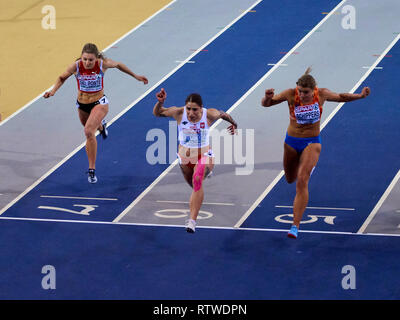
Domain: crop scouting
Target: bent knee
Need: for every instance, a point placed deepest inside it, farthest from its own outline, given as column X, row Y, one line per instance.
column 197, row 182
column 89, row 133
column 302, row 180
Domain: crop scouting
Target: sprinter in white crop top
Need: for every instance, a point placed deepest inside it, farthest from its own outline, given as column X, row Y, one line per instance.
column 194, row 152
column 91, row 103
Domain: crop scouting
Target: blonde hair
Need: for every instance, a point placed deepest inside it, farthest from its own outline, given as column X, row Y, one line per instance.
column 92, row 48
column 307, row 80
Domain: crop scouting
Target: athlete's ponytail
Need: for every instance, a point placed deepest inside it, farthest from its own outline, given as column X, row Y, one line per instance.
column 307, row 80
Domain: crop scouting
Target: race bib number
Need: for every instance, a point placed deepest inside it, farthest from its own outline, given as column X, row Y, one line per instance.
column 307, row 114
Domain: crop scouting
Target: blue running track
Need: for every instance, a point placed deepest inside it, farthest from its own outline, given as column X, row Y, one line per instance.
column 97, row 259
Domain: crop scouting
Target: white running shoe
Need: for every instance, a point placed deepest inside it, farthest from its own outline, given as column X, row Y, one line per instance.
column 92, row 176
column 190, row 225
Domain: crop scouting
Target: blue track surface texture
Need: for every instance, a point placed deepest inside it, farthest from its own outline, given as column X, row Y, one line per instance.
column 95, row 261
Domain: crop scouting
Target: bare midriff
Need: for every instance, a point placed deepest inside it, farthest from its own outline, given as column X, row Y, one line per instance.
column 89, row 97
column 303, row 130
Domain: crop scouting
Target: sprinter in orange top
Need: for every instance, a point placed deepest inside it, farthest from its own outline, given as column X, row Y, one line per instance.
column 302, row 145
column 92, row 103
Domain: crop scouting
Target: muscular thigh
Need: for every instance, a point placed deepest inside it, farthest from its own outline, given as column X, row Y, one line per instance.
column 309, row 158
column 96, row 115
column 291, row 161
column 187, row 173
column 83, row 116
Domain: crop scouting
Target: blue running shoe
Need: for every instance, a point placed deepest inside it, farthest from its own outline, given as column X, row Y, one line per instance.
column 104, row 131
column 293, row 232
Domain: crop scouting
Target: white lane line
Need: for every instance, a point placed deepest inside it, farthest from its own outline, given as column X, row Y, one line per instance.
column 278, row 64
column 111, row 45
column 182, row 61
column 259, row 199
column 37, row 182
column 320, row 208
column 379, row 203
column 166, row 171
column 78, row 198
column 200, row 227
column 378, row 68
column 288, row 54
column 208, row 203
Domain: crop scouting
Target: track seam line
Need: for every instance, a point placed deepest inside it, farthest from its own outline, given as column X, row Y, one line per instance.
column 199, row 227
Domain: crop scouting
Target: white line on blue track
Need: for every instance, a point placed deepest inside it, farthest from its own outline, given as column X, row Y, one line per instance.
column 79, row 198
column 379, row 203
column 197, row 227
column 320, row 208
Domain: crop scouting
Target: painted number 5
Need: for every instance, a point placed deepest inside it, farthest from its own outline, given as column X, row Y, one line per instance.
column 312, row 218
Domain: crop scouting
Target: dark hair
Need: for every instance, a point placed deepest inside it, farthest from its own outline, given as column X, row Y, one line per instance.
column 307, row 80
column 92, row 48
column 196, row 98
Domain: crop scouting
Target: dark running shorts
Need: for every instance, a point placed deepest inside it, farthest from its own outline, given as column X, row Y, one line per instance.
column 87, row 107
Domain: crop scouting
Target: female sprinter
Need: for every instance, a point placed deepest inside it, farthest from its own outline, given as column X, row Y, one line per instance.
column 302, row 145
column 92, row 104
column 194, row 152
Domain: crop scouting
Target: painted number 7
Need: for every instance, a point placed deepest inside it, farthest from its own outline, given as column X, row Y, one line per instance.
column 85, row 211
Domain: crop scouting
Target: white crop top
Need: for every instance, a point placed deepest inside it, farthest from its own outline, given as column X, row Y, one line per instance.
column 194, row 135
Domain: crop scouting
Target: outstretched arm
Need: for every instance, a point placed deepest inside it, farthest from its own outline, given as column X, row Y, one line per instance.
column 214, row 115
column 160, row 111
column 271, row 99
column 343, row 97
column 60, row 81
column 108, row 63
